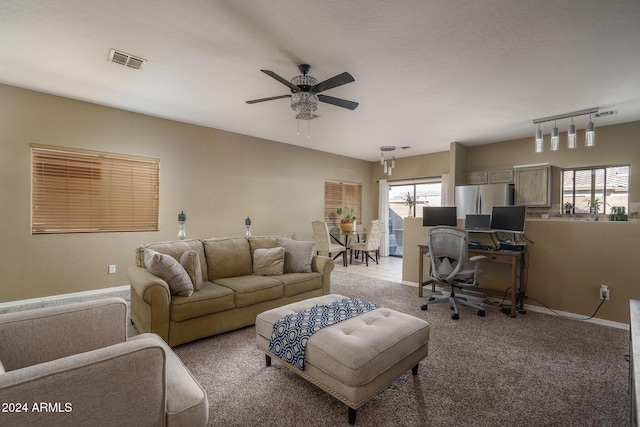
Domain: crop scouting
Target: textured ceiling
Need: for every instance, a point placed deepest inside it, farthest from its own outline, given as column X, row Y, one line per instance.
column 427, row 73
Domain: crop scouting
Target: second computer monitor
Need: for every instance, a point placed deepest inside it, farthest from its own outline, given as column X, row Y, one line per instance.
column 509, row 218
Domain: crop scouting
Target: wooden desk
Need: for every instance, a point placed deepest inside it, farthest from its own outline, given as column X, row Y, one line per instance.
column 514, row 258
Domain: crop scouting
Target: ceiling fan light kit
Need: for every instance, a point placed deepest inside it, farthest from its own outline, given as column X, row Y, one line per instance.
column 305, row 89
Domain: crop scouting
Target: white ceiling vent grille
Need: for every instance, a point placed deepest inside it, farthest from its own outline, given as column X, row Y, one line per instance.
column 125, row 59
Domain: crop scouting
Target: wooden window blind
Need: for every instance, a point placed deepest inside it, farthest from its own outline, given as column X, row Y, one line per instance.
column 80, row 191
column 336, row 195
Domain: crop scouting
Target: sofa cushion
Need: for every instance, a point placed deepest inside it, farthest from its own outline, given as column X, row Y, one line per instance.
column 268, row 262
column 190, row 260
column 228, row 257
column 175, row 248
column 212, row 298
column 262, row 242
column 298, row 254
column 252, row 289
column 2, row 371
column 169, row 269
column 298, row 283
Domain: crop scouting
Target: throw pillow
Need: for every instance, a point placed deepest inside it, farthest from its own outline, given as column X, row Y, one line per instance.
column 168, row 269
column 190, row 261
column 268, row 262
column 297, row 255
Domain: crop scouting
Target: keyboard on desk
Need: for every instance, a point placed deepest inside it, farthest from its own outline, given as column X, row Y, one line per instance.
column 480, row 246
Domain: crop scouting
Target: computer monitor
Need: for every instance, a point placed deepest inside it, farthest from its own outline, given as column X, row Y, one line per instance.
column 439, row 215
column 508, row 218
column 477, row 222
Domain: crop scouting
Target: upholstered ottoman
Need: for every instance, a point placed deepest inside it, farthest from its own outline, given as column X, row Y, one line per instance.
column 355, row 358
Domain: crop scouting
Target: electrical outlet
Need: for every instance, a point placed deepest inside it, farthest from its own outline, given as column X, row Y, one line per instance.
column 604, row 292
column 112, row 269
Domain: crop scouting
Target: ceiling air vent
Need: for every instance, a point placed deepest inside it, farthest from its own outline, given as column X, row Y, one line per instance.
column 125, row 59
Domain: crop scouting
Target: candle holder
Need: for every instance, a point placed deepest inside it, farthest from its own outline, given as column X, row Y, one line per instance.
column 247, row 223
column 182, row 218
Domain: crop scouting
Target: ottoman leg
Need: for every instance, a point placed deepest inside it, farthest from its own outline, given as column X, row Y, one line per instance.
column 352, row 416
column 414, row 370
column 267, row 359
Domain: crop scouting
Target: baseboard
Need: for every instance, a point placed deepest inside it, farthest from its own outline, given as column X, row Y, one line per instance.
column 580, row 317
column 63, row 296
column 556, row 313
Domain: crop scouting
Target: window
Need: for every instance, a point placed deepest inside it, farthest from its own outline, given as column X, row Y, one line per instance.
column 610, row 185
column 79, row 191
column 336, row 195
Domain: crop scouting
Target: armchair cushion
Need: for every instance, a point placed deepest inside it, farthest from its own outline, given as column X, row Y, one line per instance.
column 168, row 269
column 37, row 336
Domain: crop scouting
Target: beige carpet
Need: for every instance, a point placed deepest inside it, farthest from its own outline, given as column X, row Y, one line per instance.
column 534, row 370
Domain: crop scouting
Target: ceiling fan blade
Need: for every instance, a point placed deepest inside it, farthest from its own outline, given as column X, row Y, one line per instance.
column 338, row 101
column 281, row 80
column 335, row 81
column 268, row 99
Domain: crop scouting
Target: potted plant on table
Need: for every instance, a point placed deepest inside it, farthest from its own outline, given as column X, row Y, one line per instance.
column 568, row 207
column 348, row 219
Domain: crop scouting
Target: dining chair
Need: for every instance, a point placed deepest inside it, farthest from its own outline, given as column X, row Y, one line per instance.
column 323, row 242
column 372, row 244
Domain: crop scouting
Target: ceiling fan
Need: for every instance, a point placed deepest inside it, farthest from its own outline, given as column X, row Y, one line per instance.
column 305, row 92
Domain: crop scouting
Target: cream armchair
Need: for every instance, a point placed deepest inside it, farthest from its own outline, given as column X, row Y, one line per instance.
column 73, row 365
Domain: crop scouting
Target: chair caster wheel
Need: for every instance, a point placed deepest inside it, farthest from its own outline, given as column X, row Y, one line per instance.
column 424, row 307
column 481, row 313
column 455, row 316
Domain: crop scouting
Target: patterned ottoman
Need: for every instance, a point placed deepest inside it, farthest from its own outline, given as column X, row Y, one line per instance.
column 352, row 359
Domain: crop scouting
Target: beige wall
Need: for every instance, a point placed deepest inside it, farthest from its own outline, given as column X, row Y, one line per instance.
column 216, row 177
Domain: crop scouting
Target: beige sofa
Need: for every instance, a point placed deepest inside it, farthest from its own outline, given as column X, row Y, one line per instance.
column 232, row 292
column 74, row 365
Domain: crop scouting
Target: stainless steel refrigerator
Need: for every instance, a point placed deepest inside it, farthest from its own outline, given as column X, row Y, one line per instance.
column 480, row 199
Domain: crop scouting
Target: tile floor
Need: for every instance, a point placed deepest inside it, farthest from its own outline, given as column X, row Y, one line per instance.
column 388, row 268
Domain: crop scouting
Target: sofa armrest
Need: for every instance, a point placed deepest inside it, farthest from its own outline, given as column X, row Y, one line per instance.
column 123, row 384
column 323, row 265
column 150, row 302
column 36, row 336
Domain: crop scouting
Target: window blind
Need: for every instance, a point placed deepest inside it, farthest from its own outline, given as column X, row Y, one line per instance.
column 336, row 195
column 80, row 191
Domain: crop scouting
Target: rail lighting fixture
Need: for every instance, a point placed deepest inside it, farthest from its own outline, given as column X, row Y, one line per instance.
column 590, row 136
column 388, row 164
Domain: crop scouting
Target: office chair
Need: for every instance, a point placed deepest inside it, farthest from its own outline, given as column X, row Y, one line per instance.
column 323, row 242
column 450, row 265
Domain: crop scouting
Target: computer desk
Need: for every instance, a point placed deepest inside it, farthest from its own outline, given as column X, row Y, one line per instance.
column 514, row 258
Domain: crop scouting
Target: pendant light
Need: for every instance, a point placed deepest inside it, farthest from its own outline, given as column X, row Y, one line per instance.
column 555, row 138
column 589, row 134
column 571, row 135
column 539, row 140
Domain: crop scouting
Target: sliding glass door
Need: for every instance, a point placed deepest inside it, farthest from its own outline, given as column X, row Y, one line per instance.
column 406, row 199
